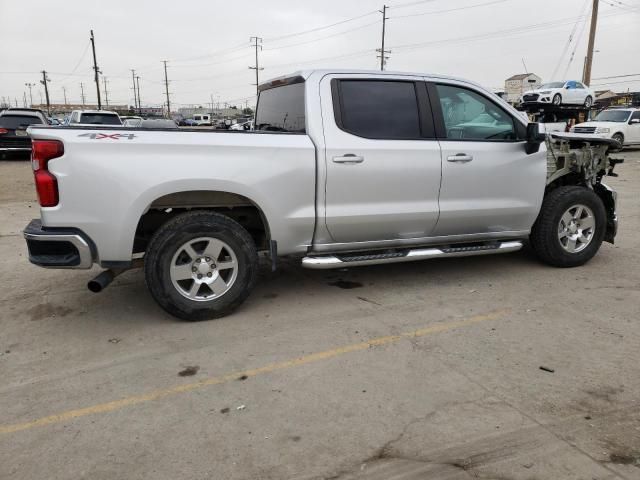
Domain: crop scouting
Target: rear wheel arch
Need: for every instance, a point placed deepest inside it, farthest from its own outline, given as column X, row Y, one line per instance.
column 238, row 207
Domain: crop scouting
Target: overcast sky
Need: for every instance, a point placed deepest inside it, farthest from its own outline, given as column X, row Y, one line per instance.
column 207, row 47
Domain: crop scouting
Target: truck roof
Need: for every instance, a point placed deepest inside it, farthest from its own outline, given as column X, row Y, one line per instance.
column 324, row 71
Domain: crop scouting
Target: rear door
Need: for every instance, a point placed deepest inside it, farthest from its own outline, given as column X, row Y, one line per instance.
column 381, row 157
column 489, row 183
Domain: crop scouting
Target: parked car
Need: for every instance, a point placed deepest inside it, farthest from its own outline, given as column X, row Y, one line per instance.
column 94, row 117
column 14, row 140
column 344, row 169
column 131, row 121
column 571, row 92
column 202, row 120
column 187, row 122
column 158, row 123
column 622, row 125
column 242, row 126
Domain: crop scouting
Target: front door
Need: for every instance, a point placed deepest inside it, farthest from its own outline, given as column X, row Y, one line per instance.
column 633, row 131
column 381, row 158
column 489, row 183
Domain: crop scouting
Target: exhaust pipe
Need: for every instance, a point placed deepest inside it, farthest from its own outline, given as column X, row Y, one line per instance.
column 103, row 280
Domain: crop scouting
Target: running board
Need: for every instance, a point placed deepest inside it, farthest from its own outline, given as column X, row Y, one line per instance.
column 356, row 260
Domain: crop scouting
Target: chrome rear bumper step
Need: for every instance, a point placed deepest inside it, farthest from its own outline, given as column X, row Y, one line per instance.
column 406, row 255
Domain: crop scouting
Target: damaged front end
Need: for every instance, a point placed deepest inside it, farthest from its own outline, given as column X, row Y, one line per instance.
column 579, row 160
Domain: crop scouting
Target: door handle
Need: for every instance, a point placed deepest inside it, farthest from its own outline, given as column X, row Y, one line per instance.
column 348, row 158
column 460, row 158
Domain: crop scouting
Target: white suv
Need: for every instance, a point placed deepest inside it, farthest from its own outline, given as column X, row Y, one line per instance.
column 561, row 93
column 621, row 124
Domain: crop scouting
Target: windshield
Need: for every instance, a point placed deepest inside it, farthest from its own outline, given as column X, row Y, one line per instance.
column 100, row 119
column 612, row 116
column 551, row 85
column 281, row 109
column 18, row 121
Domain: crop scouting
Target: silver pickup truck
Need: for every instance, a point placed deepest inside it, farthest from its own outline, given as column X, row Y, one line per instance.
column 344, row 168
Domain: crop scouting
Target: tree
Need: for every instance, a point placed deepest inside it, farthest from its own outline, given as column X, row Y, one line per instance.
column 247, row 111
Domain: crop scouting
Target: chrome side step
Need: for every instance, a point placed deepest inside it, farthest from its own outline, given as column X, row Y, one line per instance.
column 407, row 255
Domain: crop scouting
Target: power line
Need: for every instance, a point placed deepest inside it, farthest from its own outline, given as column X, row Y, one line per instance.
column 618, row 76
column 317, row 29
column 319, row 39
column 449, row 9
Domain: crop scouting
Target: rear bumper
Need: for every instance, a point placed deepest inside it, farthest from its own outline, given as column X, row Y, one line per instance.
column 58, row 247
column 15, row 149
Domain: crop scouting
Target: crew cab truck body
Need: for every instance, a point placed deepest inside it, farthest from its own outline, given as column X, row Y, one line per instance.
column 344, row 168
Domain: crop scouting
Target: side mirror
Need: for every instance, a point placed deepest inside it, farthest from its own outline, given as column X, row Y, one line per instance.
column 534, row 138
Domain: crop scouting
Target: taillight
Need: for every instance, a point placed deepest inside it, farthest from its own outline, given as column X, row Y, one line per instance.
column 3, row 131
column 46, row 183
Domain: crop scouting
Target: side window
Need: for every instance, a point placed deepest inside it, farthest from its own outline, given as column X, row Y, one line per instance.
column 468, row 115
column 379, row 109
column 571, row 85
column 579, row 85
column 635, row 116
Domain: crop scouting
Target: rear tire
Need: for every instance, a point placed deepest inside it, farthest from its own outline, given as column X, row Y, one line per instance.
column 200, row 265
column 570, row 227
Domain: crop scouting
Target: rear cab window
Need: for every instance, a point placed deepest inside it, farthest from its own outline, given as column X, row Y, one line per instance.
column 18, row 121
column 100, row 119
column 281, row 108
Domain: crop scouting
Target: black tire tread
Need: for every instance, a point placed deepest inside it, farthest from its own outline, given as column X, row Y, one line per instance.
column 543, row 236
column 155, row 252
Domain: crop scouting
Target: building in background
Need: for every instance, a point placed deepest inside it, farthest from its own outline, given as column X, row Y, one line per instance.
column 516, row 85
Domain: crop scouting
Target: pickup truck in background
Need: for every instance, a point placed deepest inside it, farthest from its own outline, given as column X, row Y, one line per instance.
column 344, row 168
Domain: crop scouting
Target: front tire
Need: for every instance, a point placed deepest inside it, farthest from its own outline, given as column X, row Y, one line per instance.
column 588, row 102
column 570, row 227
column 557, row 99
column 618, row 137
column 200, row 265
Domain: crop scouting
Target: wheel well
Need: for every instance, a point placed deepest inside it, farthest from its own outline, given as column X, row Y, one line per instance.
column 239, row 208
column 618, row 133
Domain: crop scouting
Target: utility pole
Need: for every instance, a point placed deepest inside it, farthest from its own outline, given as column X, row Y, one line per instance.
column 135, row 97
column 139, row 102
column 106, row 92
column 257, row 43
column 211, row 98
column 586, row 76
column 383, row 53
column 30, row 93
column 82, row 93
column 64, row 92
column 166, row 89
column 96, row 71
column 24, row 99
column 46, row 90
column 15, row 99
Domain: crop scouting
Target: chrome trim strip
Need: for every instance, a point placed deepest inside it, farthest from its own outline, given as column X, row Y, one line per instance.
column 15, row 149
column 84, row 250
column 330, row 261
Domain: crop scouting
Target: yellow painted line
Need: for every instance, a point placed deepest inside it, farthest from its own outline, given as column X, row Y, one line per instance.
column 296, row 362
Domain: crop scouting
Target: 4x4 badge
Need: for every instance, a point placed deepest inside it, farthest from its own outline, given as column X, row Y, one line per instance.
column 112, row 136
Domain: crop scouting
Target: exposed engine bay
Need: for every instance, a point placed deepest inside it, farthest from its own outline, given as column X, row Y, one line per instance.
column 586, row 159
column 579, row 160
